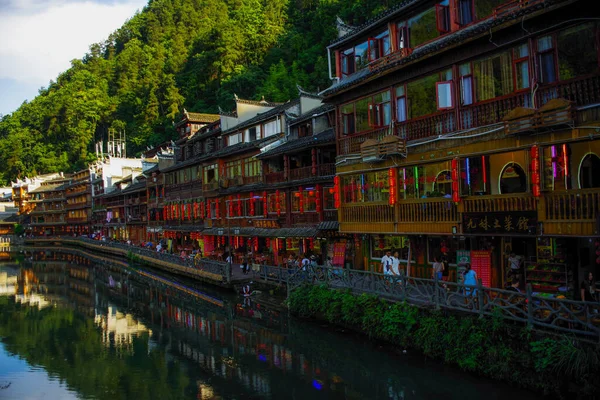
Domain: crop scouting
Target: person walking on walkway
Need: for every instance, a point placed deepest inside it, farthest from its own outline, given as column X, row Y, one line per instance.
column 588, row 288
column 470, row 280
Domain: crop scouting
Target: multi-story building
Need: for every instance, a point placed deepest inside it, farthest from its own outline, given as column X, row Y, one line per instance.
column 79, row 202
column 21, row 189
column 49, row 213
column 470, row 129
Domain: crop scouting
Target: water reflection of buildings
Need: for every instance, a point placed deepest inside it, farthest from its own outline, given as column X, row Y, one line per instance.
column 8, row 280
column 118, row 328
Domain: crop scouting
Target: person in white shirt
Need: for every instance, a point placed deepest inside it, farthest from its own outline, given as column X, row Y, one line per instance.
column 386, row 263
column 396, row 265
column 305, row 262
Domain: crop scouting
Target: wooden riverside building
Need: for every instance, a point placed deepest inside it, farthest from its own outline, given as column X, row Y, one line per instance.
column 254, row 181
column 469, row 128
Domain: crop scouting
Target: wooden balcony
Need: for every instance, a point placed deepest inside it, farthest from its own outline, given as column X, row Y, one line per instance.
column 77, row 220
column 211, row 186
column 433, row 215
column 581, row 91
column 428, row 125
column 330, row 215
column 372, row 218
column 500, row 203
column 274, row 177
column 492, row 111
column 351, row 144
column 572, row 212
column 248, row 180
column 305, row 218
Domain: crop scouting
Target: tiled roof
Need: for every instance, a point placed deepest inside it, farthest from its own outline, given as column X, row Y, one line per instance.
column 240, row 148
column 50, row 188
column 262, row 102
column 313, row 113
column 327, row 136
column 136, row 187
column 201, row 117
column 329, row 226
column 482, row 27
column 264, row 116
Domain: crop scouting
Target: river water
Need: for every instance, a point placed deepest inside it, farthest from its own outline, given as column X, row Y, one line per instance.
column 70, row 328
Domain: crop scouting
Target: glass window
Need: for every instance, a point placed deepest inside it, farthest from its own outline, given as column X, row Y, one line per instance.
column 555, row 173
column 493, row 76
column 380, row 244
column 423, row 27
column 369, row 187
column 513, row 179
column 348, row 62
column 233, row 168
column 252, row 167
column 271, row 128
column 211, row 173
column 421, row 96
column 465, row 12
column 474, row 175
column 348, row 123
column 547, row 59
column 328, row 198
column 362, row 114
column 400, row 104
column 361, row 55
column 381, row 109
column 466, row 84
column 485, row 8
column 521, row 60
column 429, row 180
column 577, row 54
column 444, row 95
column 234, row 139
column 272, row 202
column 309, row 199
column 402, row 34
column 439, row 247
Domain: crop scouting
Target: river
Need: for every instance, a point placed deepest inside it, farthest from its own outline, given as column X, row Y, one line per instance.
column 71, row 328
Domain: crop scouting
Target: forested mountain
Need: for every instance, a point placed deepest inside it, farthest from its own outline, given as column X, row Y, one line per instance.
column 174, row 54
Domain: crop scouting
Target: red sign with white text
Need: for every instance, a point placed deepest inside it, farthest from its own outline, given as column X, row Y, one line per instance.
column 481, row 263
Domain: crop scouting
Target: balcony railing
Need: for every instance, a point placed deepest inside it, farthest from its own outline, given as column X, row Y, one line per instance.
column 573, row 205
column 211, row 186
column 351, row 144
column 492, row 111
column 500, row 203
column 305, row 218
column 368, row 213
column 581, row 91
column 274, row 177
column 77, row 220
column 427, row 210
column 429, row 125
column 252, row 179
column 330, row 215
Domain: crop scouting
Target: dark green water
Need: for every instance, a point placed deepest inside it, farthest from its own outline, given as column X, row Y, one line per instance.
column 74, row 329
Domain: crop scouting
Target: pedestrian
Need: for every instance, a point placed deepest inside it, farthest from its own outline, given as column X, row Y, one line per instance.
column 470, row 280
column 588, row 288
column 438, row 269
column 396, row 266
column 514, row 287
column 305, row 262
column 445, row 268
column 386, row 263
column 515, row 263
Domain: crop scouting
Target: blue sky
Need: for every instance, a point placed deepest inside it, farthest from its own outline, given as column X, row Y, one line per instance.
column 39, row 38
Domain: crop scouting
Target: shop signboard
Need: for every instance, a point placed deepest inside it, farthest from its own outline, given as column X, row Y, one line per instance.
column 266, row 223
column 339, row 254
column 481, row 263
column 463, row 257
column 524, row 223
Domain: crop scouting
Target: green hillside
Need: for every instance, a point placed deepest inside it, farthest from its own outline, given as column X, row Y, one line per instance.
column 174, row 54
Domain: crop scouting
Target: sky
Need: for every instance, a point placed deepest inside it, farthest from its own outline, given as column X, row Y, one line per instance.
column 39, row 38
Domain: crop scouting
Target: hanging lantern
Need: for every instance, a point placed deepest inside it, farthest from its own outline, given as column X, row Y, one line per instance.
column 265, row 204
column 392, row 175
column 455, row 189
column 251, row 204
column 165, row 211
column 535, row 171
column 314, row 161
column 208, row 215
column 336, row 194
column 182, row 215
column 277, row 203
column 239, row 205
column 217, row 208
column 311, row 243
column 268, row 242
column 300, row 200
column 318, row 204
column 230, row 207
column 195, row 207
column 202, row 210
column 255, row 243
column 381, row 242
column 289, row 243
column 189, row 211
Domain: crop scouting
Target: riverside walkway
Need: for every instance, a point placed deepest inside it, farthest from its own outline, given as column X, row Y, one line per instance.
column 534, row 310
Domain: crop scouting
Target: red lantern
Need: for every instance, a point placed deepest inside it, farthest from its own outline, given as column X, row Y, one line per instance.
column 311, row 243
column 455, row 188
column 218, row 209
column 230, row 208
column 251, row 204
column 392, row 175
column 318, row 199
column 336, row 188
column 268, row 242
column 239, row 205
column 182, row 215
column 535, row 171
column 301, row 200
column 277, row 204
column 265, row 204
column 314, row 161
column 189, row 211
column 289, row 243
column 208, row 215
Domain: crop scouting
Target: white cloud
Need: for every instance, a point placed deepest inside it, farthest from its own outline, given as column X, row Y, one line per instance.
column 40, row 38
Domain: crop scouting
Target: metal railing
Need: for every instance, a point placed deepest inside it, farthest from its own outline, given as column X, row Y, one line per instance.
column 573, row 205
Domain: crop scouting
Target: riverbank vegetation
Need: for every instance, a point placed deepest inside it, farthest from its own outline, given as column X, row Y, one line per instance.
column 557, row 365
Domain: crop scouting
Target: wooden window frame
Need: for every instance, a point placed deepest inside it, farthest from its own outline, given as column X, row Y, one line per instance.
column 442, row 11
column 554, row 51
column 457, row 13
column 402, row 31
column 516, row 61
column 452, row 96
column 350, row 62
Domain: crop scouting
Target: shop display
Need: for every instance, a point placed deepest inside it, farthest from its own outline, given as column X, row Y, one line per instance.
column 550, row 274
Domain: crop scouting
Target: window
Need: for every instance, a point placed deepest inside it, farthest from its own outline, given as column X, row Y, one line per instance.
column 380, row 110
column 305, row 130
column 328, row 198
column 474, row 175
column 401, row 104
column 466, row 84
column 442, row 11
column 556, row 170
column 379, row 46
column 402, row 35
column 361, row 55
column 252, row 134
column 547, row 59
column 252, row 167
column 271, row 128
column 380, row 244
column 348, row 126
column 444, row 95
column 493, row 76
column 521, row 66
column 589, row 179
column 429, row 180
column 234, row 139
column 368, row 187
column 464, row 11
column 577, row 52
column 272, row 202
column 233, row 168
column 485, row 8
column 424, row 94
column 211, row 173
column 423, row 28
column 348, row 63
column 513, row 179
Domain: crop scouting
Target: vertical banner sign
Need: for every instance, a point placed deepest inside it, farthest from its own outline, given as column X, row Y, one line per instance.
column 339, row 254
column 392, row 185
column 463, row 257
column 535, row 171
column 455, row 189
column 481, row 262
